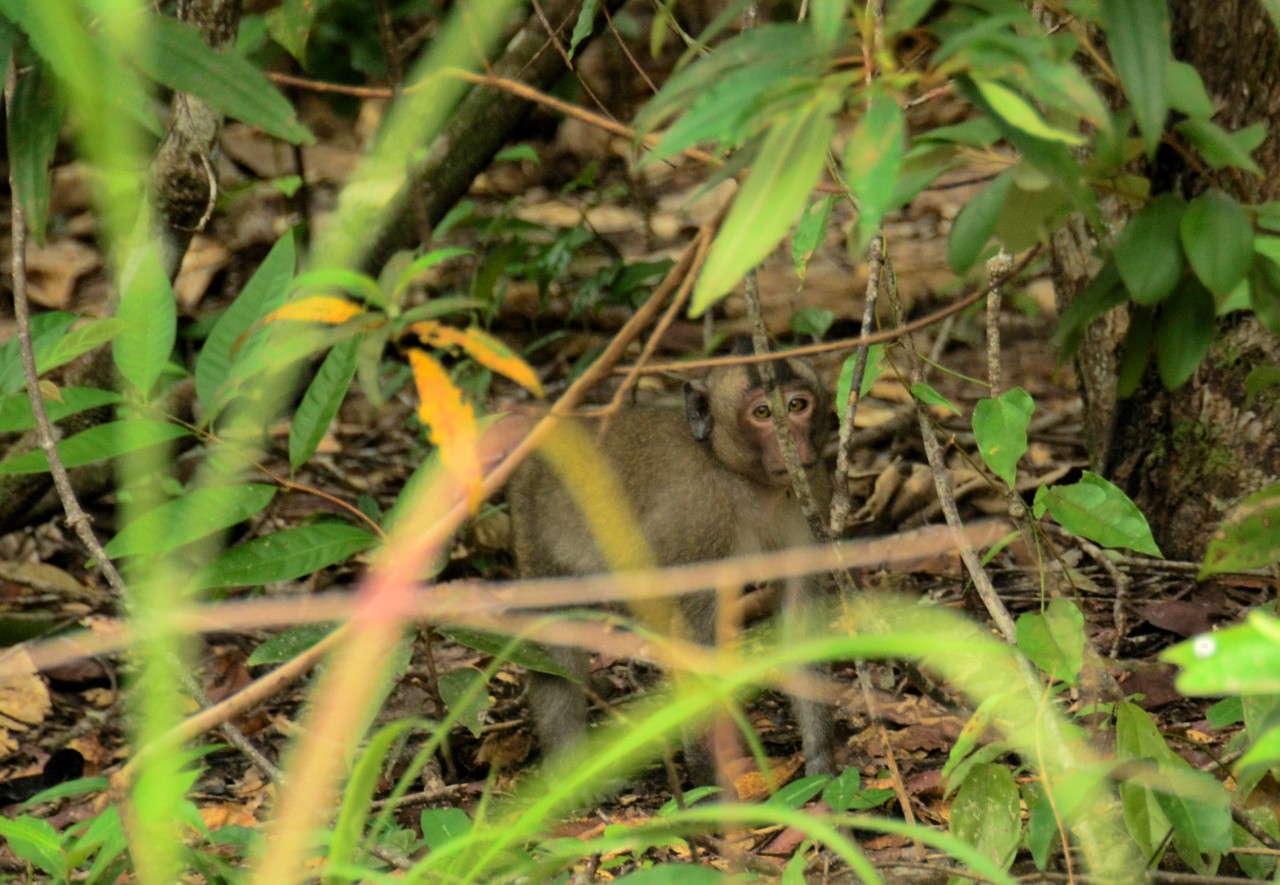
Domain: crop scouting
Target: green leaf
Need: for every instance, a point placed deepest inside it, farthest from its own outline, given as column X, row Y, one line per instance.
column 976, row 222
column 456, row 687
column 99, row 443
column 265, row 291
column 1149, row 252
column 795, row 794
column 225, row 81
column 148, row 314
column 811, row 232
column 35, row 115
column 1095, row 509
column 827, row 19
column 1187, row 93
column 1217, row 146
column 81, row 339
column 1218, row 240
column 777, row 187
column 361, row 285
column 286, row 554
column 874, row 369
column 15, row 409
column 421, row 265
column 987, row 813
column 1104, row 292
column 290, row 25
column 812, row 321
column 442, row 825
column 1248, row 537
column 927, row 395
column 36, row 841
column 321, row 401
column 1000, row 428
column 1054, row 640
column 842, row 792
column 1244, row 659
column 358, row 790
column 289, row 643
column 194, row 516
column 1264, row 291
column 872, row 161
column 526, row 654
column 1138, row 34
column 1184, row 332
column 585, row 24
column 1137, row 350
column 1020, row 114
column 1199, row 827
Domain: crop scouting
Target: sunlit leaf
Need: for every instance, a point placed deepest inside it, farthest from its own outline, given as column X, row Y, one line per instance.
column 451, row 420
column 1019, row 113
column 776, row 190
column 193, row 516
column 1054, row 639
column 316, row 309
column 482, row 347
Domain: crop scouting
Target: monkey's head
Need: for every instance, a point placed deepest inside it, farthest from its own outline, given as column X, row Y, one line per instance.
column 730, row 412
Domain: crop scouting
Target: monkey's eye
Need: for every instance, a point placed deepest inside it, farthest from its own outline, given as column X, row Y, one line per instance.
column 798, row 404
column 760, row 412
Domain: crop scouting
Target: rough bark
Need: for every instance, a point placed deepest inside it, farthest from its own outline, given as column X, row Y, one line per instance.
column 1188, row 456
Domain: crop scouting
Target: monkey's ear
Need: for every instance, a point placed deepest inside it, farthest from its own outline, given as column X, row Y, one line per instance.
column 697, row 408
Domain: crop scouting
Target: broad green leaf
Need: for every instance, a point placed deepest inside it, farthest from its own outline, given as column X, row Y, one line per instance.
column 288, row 644
column 1264, row 751
column 1200, row 827
column 811, row 232
column 585, row 24
column 526, row 654
column 191, row 517
column 987, row 813
column 1149, row 250
column 1020, row 114
column 843, row 790
column 798, row 792
column 1264, row 291
column 225, row 81
column 35, row 841
column 47, row 329
column 929, row 396
column 265, row 291
column 904, row 15
column 1216, row 145
column 1138, row 340
column 458, row 686
column 1260, row 866
column 1138, row 35
column 15, row 409
column 286, row 554
column 81, row 339
column 421, row 265
column 1054, row 639
column 148, row 314
column 99, row 443
column 1244, row 659
column 813, row 322
column 1187, row 93
column 1218, row 240
column 361, row 285
column 1184, row 332
column 874, row 369
column 976, row 222
column 827, row 18
column 1095, row 509
column 442, row 825
column 1104, row 292
column 1248, row 537
column 872, row 161
column 776, row 190
column 1000, row 428
column 35, row 114
column 290, row 26
column 321, row 401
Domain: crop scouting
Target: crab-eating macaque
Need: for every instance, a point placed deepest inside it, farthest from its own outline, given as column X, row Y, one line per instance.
column 702, row 483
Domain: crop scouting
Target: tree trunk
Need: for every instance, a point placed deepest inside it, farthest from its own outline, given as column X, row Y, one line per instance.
column 1187, row 456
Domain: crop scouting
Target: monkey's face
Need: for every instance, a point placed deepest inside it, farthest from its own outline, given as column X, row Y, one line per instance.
column 755, row 418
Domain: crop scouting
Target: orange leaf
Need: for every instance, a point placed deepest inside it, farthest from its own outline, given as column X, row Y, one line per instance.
column 481, row 347
column 452, row 422
column 316, row 309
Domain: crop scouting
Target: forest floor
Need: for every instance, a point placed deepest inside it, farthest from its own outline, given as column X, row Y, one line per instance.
column 632, row 217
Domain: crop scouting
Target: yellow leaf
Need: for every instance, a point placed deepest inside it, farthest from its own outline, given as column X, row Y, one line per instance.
column 452, row 422
column 316, row 309
column 481, row 347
